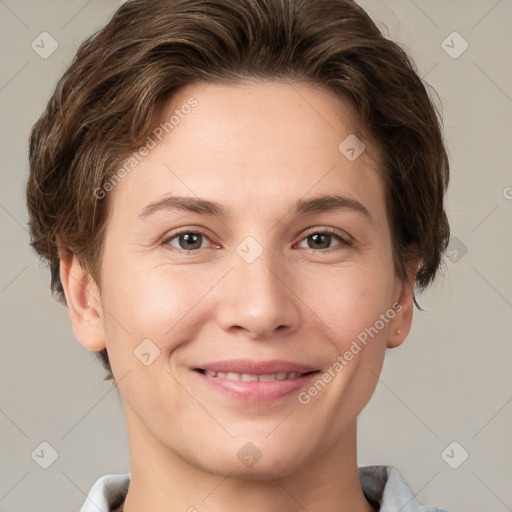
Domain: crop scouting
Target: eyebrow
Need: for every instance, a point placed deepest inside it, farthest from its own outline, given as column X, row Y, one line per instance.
column 326, row 203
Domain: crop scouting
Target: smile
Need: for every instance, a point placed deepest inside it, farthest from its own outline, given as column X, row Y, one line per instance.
column 254, row 382
column 248, row 377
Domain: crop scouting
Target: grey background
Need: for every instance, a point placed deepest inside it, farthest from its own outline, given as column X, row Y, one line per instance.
column 450, row 381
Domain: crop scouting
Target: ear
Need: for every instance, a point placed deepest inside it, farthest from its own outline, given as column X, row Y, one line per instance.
column 83, row 301
column 400, row 325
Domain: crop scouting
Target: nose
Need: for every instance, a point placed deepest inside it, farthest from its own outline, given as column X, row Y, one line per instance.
column 258, row 299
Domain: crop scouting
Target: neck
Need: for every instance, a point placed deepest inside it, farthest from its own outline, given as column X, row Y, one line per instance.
column 162, row 481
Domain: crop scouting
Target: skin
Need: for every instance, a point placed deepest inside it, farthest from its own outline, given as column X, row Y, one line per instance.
column 255, row 148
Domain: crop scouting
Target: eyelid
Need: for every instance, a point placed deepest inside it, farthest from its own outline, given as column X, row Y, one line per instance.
column 331, row 231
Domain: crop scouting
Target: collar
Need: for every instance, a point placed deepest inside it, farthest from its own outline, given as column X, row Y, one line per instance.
column 383, row 486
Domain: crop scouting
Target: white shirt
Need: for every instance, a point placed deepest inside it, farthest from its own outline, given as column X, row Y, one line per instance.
column 383, row 486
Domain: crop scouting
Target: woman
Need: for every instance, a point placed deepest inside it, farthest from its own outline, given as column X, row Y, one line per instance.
column 238, row 201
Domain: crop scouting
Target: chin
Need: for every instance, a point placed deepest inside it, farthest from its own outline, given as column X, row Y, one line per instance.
column 247, row 462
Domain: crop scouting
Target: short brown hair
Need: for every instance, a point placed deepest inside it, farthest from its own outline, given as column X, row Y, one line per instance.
column 111, row 98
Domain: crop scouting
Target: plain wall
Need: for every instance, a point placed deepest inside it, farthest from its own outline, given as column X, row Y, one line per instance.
column 450, row 381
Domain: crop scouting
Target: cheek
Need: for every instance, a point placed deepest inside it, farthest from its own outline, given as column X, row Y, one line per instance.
column 351, row 298
column 357, row 309
column 156, row 302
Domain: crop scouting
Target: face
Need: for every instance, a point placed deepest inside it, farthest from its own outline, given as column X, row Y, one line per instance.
column 223, row 310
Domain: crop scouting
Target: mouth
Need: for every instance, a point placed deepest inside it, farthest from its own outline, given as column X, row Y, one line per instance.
column 255, row 382
column 249, row 377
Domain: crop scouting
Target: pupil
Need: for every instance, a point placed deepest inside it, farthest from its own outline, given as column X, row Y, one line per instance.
column 190, row 239
column 319, row 238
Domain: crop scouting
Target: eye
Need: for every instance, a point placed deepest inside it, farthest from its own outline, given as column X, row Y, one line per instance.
column 187, row 240
column 322, row 239
column 190, row 241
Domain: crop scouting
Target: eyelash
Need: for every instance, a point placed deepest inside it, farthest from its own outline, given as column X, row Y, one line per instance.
column 344, row 241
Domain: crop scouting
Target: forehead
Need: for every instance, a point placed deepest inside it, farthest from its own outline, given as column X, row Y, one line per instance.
column 301, row 115
column 252, row 141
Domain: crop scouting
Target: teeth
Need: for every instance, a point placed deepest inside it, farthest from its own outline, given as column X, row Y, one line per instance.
column 267, row 377
column 247, row 377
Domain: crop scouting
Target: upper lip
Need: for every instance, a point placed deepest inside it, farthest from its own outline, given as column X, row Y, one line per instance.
column 253, row 367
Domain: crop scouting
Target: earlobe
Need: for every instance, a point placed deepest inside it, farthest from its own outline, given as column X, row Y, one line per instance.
column 84, row 303
column 402, row 322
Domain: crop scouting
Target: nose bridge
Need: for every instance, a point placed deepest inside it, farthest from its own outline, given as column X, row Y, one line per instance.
column 256, row 297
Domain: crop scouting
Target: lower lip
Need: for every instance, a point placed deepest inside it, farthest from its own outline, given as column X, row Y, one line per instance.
column 257, row 391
